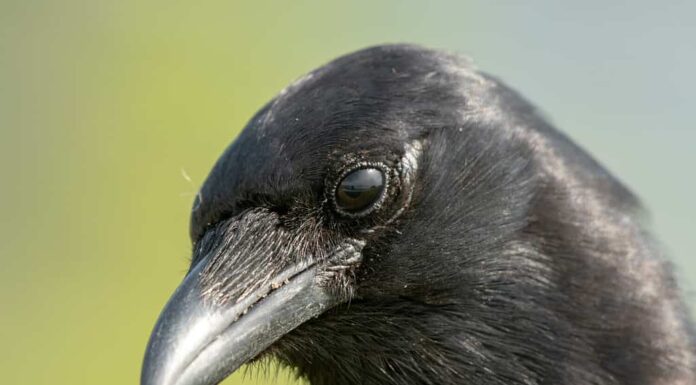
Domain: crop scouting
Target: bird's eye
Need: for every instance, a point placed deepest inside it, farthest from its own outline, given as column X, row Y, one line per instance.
column 359, row 190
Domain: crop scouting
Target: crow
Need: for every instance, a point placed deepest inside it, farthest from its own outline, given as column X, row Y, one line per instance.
column 399, row 217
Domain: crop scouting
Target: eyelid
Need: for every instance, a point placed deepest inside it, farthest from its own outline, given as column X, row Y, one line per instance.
column 360, row 189
column 354, row 167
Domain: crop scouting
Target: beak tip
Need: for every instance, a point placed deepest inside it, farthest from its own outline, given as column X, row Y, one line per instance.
column 199, row 342
column 176, row 337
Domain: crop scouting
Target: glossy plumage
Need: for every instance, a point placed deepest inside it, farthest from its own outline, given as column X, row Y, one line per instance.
column 501, row 254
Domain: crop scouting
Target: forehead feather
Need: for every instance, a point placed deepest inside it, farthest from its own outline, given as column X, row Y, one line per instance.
column 372, row 101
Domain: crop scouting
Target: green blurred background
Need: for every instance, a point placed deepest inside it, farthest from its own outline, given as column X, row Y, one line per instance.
column 105, row 106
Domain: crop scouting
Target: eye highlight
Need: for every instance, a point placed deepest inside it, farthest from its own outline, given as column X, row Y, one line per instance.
column 360, row 190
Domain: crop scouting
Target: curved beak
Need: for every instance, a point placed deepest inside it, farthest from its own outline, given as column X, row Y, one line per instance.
column 200, row 339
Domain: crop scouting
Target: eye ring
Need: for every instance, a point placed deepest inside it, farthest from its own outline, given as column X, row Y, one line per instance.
column 371, row 200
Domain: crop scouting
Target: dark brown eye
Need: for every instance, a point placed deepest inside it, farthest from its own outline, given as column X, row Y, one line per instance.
column 359, row 190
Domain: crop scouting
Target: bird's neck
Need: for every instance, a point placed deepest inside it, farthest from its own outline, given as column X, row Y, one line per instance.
column 374, row 343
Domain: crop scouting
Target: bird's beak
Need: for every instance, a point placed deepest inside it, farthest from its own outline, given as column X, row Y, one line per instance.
column 210, row 327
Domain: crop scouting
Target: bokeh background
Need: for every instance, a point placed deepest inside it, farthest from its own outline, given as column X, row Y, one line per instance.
column 111, row 114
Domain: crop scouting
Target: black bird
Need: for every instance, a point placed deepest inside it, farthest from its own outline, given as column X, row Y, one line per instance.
column 397, row 217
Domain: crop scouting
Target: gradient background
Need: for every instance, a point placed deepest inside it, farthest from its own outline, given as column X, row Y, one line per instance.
column 103, row 104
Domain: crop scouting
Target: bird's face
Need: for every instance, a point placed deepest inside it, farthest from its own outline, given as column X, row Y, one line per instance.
column 354, row 225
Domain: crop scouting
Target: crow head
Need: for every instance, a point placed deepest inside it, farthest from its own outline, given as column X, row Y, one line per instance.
column 396, row 217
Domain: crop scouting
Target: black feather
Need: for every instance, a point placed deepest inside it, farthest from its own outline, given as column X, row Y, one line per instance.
column 518, row 259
